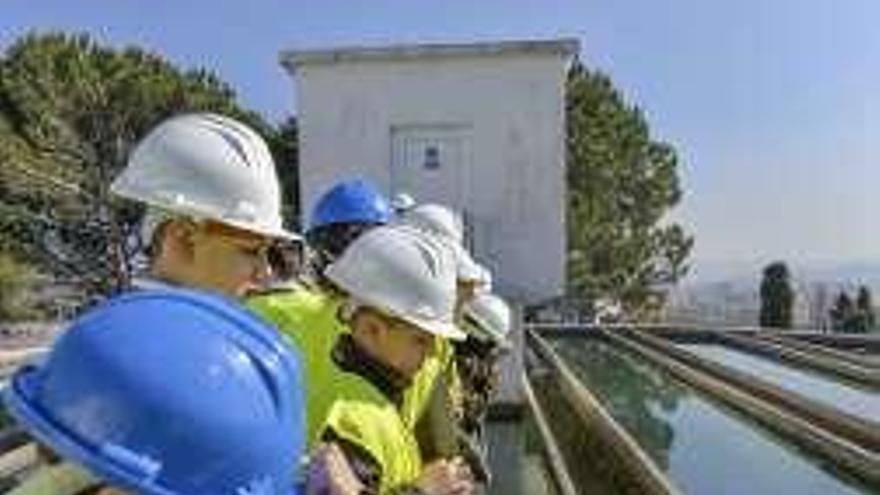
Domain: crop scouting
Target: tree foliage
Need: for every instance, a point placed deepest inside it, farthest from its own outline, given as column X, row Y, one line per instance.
column 864, row 311
column 777, row 297
column 16, row 278
column 849, row 317
column 285, row 148
column 70, row 112
column 841, row 314
column 621, row 184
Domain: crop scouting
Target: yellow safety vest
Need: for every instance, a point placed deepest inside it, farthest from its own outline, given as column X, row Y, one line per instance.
column 364, row 416
column 418, row 395
column 309, row 319
column 64, row 478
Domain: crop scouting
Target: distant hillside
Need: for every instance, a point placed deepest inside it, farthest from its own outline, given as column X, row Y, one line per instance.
column 747, row 272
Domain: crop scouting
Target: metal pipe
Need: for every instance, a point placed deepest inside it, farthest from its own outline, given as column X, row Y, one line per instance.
column 844, row 370
column 551, row 448
column 825, row 351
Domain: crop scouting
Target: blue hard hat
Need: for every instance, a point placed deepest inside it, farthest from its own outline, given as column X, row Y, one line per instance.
column 170, row 392
column 351, row 201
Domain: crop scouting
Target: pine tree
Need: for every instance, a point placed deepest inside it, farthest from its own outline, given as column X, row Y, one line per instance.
column 621, row 183
column 70, row 112
column 864, row 311
column 842, row 313
column 777, row 297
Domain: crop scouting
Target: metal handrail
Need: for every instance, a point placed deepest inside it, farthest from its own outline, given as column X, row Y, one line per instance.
column 823, row 351
column 551, row 448
column 803, row 358
column 641, row 468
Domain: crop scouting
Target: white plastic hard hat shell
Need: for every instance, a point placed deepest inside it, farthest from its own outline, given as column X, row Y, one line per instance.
column 210, row 167
column 448, row 226
column 403, row 272
column 468, row 270
column 402, row 202
column 491, row 315
column 436, row 219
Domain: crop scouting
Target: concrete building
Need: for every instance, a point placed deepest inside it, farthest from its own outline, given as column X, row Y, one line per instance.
column 479, row 127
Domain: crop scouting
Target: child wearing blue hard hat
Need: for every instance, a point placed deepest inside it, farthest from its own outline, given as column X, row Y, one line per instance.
column 166, row 392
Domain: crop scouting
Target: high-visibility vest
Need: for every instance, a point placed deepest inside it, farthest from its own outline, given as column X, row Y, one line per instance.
column 418, row 394
column 309, row 319
column 64, row 478
column 364, row 416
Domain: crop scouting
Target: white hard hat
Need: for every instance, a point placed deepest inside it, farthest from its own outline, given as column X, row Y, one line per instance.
column 448, row 226
column 484, row 279
column 210, row 167
column 402, row 202
column 489, row 318
column 468, row 270
column 404, row 273
column 436, row 219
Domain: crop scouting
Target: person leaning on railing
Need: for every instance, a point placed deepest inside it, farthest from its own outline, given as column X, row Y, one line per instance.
column 487, row 322
column 400, row 287
column 307, row 312
column 433, row 404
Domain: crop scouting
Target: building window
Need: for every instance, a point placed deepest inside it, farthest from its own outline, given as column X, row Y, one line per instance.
column 432, row 158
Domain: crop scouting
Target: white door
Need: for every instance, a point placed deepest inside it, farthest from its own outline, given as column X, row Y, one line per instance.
column 432, row 163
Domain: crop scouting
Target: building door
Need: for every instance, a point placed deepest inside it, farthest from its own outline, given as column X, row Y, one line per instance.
column 432, row 163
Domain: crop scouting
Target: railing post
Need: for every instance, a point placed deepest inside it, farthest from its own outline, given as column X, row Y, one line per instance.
column 510, row 391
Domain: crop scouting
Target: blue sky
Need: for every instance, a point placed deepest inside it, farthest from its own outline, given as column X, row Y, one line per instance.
column 774, row 105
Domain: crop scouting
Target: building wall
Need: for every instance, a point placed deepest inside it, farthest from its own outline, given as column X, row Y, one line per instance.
column 513, row 182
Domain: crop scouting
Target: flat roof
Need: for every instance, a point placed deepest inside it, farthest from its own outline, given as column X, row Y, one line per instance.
column 292, row 59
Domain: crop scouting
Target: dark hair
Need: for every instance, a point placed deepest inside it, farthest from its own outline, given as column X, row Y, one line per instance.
column 284, row 258
column 329, row 241
column 154, row 243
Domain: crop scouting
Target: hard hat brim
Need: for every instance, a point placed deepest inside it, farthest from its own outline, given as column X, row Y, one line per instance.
column 126, row 192
column 443, row 329
column 280, row 234
column 480, row 330
column 440, row 328
column 19, row 396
